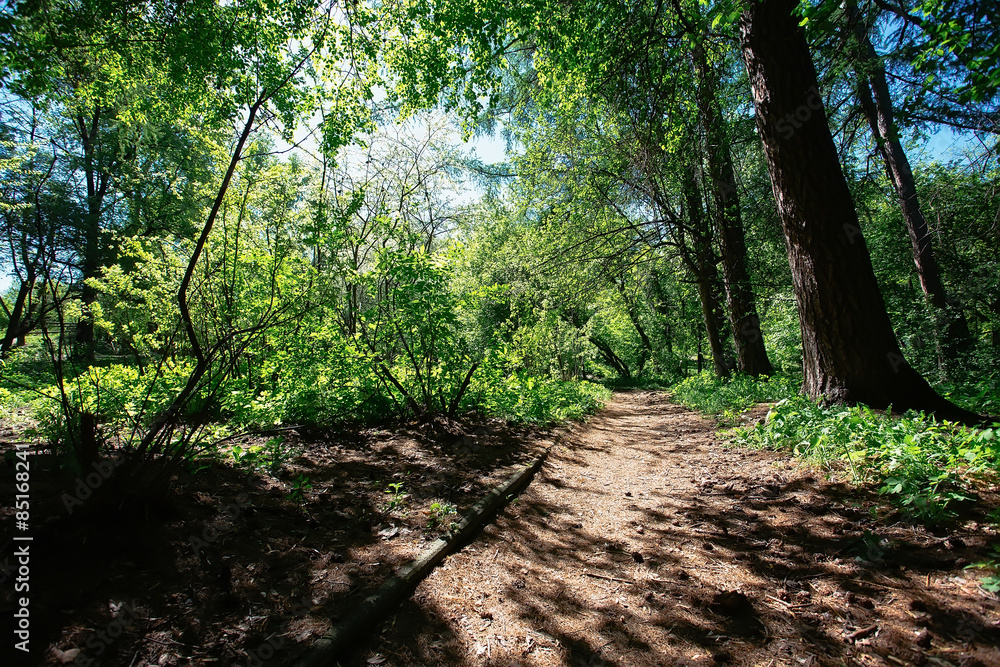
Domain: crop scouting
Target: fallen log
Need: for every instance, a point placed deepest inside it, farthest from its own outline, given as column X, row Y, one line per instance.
column 374, row 608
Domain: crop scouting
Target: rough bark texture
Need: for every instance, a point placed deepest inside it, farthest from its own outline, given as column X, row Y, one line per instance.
column 751, row 356
column 850, row 352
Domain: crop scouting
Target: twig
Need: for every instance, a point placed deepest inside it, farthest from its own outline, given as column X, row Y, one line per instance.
column 862, row 633
column 790, row 606
column 601, row 576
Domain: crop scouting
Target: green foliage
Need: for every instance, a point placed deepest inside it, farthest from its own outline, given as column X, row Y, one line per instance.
column 925, row 466
column 123, row 397
column 398, row 498
column 438, row 514
column 712, row 395
column 300, row 486
column 270, row 456
column 522, row 397
column 990, row 582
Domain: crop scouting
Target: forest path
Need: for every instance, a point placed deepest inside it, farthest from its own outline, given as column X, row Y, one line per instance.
column 644, row 541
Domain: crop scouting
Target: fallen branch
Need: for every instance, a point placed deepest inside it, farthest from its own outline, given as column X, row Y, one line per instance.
column 601, row 576
column 371, row 611
column 861, row 634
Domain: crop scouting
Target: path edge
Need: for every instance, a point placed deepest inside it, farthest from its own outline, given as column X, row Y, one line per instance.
column 374, row 608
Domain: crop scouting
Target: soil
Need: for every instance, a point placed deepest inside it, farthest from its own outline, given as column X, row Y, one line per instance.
column 644, row 540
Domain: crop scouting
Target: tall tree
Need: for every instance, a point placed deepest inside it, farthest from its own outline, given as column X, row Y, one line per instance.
column 876, row 104
column 850, row 352
column 751, row 356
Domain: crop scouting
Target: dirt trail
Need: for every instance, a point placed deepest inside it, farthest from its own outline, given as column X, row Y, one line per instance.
column 645, row 542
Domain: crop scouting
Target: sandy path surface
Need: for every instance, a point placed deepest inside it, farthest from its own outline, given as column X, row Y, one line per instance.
column 643, row 541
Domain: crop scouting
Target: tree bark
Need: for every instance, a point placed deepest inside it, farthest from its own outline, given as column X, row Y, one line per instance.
column 98, row 181
column 16, row 325
column 751, row 356
column 703, row 265
column 876, row 104
column 850, row 353
column 611, row 358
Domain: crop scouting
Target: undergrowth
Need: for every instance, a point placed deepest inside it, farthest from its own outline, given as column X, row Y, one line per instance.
column 520, row 397
column 726, row 398
column 926, row 467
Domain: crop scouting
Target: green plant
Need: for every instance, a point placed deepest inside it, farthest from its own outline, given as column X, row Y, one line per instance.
column 270, row 456
column 730, row 396
column 300, row 486
column 924, row 466
column 397, row 497
column 438, row 513
column 989, row 582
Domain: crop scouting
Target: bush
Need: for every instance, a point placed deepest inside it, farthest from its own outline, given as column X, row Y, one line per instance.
column 521, row 397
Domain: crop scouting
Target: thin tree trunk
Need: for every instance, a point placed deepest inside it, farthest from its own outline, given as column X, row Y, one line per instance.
column 611, row 358
column 97, row 185
column 660, row 305
column 751, row 356
column 706, row 273
column 15, row 326
column 876, row 103
column 850, row 352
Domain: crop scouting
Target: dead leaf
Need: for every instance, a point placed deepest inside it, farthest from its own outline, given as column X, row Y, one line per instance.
column 68, row 655
column 376, row 660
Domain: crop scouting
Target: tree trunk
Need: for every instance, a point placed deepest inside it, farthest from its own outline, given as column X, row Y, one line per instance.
column 876, row 103
column 97, row 188
column 16, row 327
column 660, row 304
column 751, row 356
column 850, row 352
column 706, row 274
column 711, row 313
column 612, row 359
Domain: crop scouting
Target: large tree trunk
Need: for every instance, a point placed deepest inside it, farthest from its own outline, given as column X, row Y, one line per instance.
column 850, row 352
column 751, row 356
column 876, row 103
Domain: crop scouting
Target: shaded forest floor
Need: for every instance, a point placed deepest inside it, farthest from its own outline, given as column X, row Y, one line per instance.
column 643, row 541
